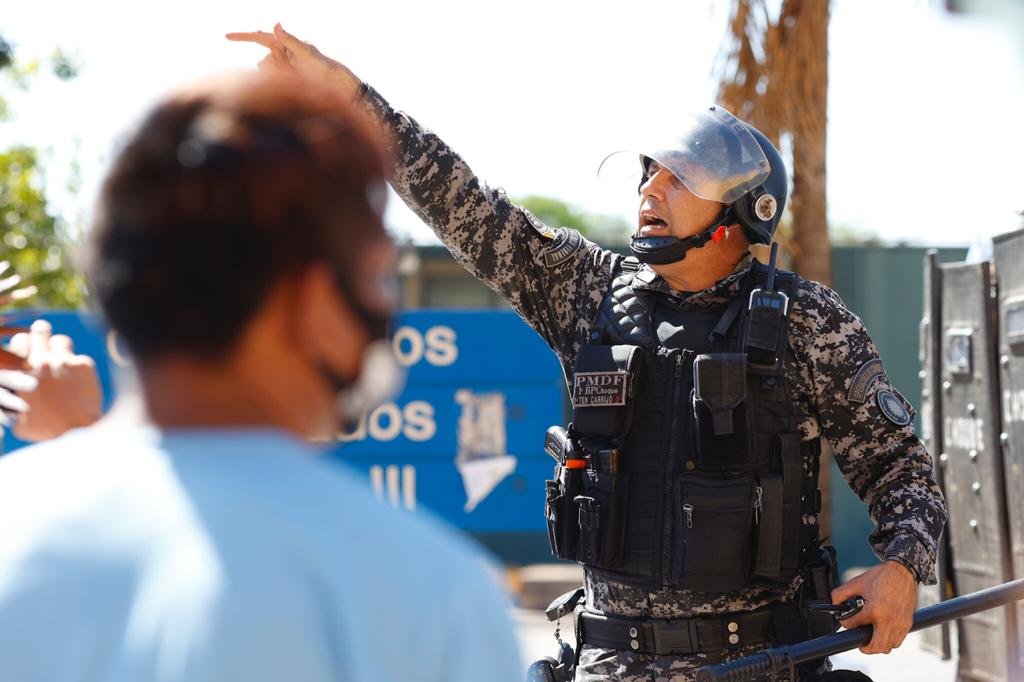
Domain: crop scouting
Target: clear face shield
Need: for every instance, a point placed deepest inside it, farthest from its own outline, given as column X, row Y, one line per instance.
column 712, row 153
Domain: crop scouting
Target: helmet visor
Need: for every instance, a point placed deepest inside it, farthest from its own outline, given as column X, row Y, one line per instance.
column 714, row 155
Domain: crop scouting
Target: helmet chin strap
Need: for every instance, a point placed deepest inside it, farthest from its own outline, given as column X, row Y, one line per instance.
column 665, row 250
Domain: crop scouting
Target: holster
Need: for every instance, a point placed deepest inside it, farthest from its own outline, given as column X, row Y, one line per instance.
column 586, row 506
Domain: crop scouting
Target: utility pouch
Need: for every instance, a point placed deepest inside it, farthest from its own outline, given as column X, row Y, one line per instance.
column 601, row 518
column 713, row 533
column 560, row 511
column 603, row 389
column 589, row 520
column 720, row 409
column 770, row 519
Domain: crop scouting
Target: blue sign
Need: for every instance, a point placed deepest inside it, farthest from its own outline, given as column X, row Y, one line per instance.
column 464, row 439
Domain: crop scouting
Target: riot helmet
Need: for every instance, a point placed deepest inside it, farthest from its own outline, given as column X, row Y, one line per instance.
column 720, row 158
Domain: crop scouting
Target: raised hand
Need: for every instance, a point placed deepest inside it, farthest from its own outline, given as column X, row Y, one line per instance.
column 290, row 55
column 58, row 390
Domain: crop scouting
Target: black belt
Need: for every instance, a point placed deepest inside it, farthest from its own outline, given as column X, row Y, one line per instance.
column 682, row 636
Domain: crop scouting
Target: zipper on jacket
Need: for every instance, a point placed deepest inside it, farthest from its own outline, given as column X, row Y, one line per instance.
column 758, row 503
column 666, row 532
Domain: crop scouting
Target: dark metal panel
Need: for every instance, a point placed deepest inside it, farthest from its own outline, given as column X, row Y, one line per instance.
column 973, row 464
column 1008, row 254
column 936, row 640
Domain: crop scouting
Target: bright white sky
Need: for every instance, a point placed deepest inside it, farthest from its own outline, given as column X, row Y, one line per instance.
column 925, row 141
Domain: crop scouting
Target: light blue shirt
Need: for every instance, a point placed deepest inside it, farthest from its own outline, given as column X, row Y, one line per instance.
column 133, row 554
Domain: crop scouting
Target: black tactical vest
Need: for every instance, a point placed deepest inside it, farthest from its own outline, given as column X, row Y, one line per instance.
column 684, row 466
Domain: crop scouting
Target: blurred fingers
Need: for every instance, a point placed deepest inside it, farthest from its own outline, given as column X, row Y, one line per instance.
column 8, row 283
column 39, row 340
column 20, row 344
column 17, row 381
column 11, row 403
column 61, row 345
column 18, row 295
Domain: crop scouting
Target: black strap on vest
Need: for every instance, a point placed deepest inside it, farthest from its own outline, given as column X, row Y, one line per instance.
column 721, row 330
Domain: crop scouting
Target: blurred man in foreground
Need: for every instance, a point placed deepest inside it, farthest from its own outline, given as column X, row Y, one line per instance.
column 239, row 251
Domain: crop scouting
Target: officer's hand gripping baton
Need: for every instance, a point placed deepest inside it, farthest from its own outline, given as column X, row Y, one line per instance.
column 780, row 662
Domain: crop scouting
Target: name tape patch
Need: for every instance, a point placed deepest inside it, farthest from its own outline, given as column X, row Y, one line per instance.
column 599, row 389
column 863, row 379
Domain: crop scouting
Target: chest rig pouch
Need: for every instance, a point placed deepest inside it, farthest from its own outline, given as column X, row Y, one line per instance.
column 588, row 497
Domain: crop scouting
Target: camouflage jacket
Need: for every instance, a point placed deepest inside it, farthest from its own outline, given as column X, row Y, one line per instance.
column 556, row 279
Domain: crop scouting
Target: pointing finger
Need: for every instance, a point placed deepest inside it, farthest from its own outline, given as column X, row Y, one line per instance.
column 267, row 40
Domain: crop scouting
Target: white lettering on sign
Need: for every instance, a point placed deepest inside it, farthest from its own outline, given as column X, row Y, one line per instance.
column 441, row 348
column 406, row 490
column 1013, row 406
column 437, row 345
column 965, row 433
column 387, row 422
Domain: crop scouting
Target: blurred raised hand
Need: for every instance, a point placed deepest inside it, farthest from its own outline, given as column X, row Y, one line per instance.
column 13, row 376
column 288, row 54
column 66, row 392
column 45, row 388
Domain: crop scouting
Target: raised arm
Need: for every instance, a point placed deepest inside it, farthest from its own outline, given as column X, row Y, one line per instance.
column 553, row 277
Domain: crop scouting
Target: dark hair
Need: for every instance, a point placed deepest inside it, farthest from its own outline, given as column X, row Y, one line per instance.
column 223, row 190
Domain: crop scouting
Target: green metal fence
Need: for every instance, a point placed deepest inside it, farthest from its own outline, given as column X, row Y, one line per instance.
column 884, row 287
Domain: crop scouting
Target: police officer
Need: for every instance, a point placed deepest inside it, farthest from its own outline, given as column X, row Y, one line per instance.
column 703, row 384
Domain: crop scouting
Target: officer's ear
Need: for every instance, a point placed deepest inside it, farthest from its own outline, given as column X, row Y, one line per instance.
column 325, row 327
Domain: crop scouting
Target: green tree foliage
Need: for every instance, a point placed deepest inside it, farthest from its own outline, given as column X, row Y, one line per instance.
column 32, row 238
column 609, row 230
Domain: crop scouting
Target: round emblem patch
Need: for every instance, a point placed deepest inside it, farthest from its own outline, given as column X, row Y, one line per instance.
column 765, row 207
column 892, row 407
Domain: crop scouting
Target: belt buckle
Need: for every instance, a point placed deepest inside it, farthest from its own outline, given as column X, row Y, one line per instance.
column 675, row 637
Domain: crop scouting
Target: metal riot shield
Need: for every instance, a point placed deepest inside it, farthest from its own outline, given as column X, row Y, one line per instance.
column 973, row 465
column 1008, row 254
column 935, row 640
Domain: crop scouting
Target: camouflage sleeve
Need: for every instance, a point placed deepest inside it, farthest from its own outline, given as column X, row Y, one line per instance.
column 870, row 428
column 554, row 278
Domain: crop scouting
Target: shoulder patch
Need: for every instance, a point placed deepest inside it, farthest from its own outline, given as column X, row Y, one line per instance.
column 892, row 407
column 566, row 242
column 542, row 230
column 863, row 379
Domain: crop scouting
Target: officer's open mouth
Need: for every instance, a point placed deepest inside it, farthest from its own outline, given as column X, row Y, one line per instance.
column 650, row 222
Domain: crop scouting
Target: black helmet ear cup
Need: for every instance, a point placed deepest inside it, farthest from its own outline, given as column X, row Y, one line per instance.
column 758, row 212
column 760, row 209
